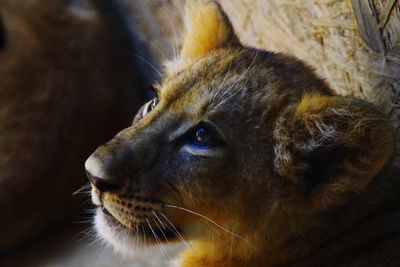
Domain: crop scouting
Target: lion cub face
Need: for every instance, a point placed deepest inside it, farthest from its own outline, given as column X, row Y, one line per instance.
column 235, row 137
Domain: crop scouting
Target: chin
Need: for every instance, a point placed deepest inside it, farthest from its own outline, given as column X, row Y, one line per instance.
column 131, row 243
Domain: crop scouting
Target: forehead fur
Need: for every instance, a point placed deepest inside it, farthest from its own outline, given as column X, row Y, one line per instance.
column 239, row 79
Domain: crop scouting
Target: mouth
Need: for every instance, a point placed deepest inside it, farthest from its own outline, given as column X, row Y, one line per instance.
column 106, row 212
column 159, row 229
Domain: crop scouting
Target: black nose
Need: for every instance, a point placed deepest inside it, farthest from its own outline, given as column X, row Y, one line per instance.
column 100, row 179
column 104, row 184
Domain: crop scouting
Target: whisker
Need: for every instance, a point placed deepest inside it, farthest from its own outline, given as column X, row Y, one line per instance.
column 85, row 234
column 88, row 220
column 88, row 211
column 84, row 189
column 85, row 216
column 251, row 65
column 175, row 55
column 225, row 100
column 156, row 47
column 144, row 238
column 175, row 231
column 88, row 201
column 226, row 76
column 209, row 220
column 158, row 240
column 92, row 244
column 241, row 77
column 162, row 232
column 137, row 235
column 158, row 219
column 149, row 64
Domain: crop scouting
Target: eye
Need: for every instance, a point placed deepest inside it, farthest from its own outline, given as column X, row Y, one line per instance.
column 203, row 136
column 149, row 106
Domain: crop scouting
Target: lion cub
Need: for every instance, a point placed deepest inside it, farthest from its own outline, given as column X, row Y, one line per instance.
column 251, row 160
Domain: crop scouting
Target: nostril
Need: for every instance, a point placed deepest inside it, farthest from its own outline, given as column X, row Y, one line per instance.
column 104, row 185
column 98, row 177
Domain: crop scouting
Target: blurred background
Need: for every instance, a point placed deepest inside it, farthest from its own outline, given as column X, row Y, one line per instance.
column 74, row 72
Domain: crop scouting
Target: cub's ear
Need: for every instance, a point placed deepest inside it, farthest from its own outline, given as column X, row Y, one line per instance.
column 207, row 29
column 331, row 146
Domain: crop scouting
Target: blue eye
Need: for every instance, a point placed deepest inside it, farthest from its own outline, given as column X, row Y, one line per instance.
column 203, row 137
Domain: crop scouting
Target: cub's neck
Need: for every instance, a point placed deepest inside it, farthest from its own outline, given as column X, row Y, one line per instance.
column 357, row 233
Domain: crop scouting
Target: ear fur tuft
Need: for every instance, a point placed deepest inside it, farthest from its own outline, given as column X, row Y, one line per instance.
column 207, row 29
column 331, row 145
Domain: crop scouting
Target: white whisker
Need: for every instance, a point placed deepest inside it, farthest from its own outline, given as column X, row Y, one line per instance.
column 175, row 231
column 149, row 64
column 158, row 240
column 175, row 54
column 227, row 92
column 209, row 220
column 95, row 242
column 226, row 76
column 144, row 238
column 85, row 189
column 158, row 219
column 162, row 232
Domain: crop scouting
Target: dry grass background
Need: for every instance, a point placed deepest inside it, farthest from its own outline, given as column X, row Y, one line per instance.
column 325, row 33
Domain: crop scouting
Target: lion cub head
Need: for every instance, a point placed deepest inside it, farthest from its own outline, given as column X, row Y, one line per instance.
column 240, row 146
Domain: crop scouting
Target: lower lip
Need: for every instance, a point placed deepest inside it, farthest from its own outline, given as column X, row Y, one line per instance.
column 169, row 234
column 110, row 218
column 105, row 211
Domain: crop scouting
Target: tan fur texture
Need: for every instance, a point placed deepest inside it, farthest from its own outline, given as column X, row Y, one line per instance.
column 64, row 87
column 298, row 176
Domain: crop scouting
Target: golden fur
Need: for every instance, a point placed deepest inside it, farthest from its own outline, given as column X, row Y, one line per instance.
column 299, row 177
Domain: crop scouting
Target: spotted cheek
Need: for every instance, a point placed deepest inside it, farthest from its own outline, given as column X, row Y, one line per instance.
column 131, row 211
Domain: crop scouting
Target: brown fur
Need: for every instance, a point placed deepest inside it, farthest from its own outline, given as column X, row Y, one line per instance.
column 65, row 82
column 302, row 178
